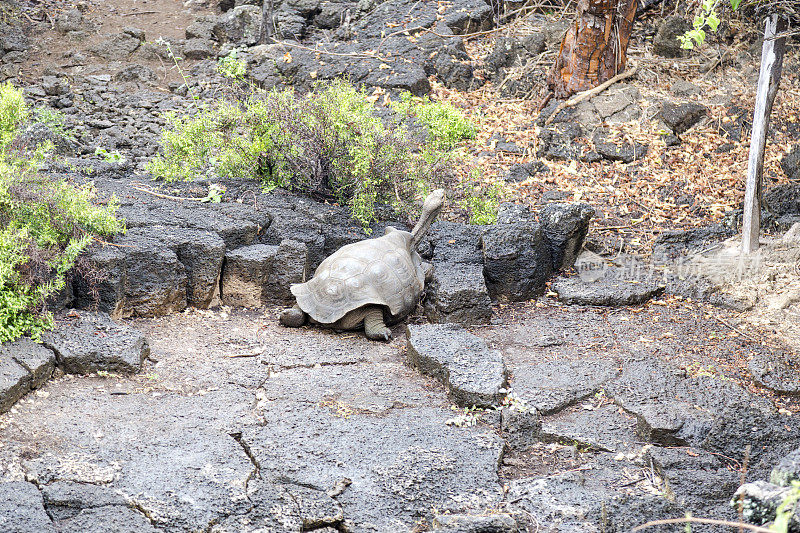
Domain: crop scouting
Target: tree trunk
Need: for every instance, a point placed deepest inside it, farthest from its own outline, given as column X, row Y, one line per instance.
column 267, row 9
column 594, row 48
column 768, row 79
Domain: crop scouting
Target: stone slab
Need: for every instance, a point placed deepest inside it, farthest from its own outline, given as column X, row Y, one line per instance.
column 474, row 374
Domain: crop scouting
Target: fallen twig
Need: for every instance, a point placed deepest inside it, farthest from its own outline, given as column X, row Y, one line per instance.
column 167, row 196
column 247, row 354
column 736, row 330
column 713, row 521
column 139, row 13
column 576, row 99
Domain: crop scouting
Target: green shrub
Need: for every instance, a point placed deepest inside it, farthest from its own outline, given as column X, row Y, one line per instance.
column 231, row 67
column 13, row 112
column 446, row 125
column 45, row 224
column 481, row 201
column 330, row 144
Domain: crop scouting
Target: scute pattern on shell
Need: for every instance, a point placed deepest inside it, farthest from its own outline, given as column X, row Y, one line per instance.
column 381, row 271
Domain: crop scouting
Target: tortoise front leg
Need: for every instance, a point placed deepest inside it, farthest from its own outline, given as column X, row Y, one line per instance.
column 374, row 328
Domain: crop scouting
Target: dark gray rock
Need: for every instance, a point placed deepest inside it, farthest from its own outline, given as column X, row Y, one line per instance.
column 55, row 85
column 522, row 171
column 409, row 78
column 501, row 144
column 12, row 39
column 65, row 499
column 672, row 244
column 603, row 428
column 118, row 47
column 185, row 470
column 290, row 225
column 241, row 26
column 779, row 372
column 590, row 499
column 264, row 73
column 290, row 24
column 520, row 424
column 551, row 386
column 508, row 213
column 202, row 28
column 787, row 470
column 133, row 31
column 70, row 20
column 685, row 89
column 403, row 461
column 286, row 507
column 136, row 73
column 625, row 151
column 199, row 49
column 467, row 17
column 458, row 293
column 33, row 357
column 784, row 199
column 675, row 409
column 245, row 271
column 456, row 243
column 290, row 266
column 473, row 374
column 154, row 280
column 558, row 140
column 38, row 133
column 699, row 480
column 107, row 293
column 201, row 253
column 22, row 509
column 115, row 518
column 93, row 342
column 495, row 523
column 14, row 381
column 455, row 71
column 760, row 501
column 620, row 103
column 565, row 227
column 666, row 41
column 609, row 290
column 517, row 260
column 790, row 163
column 681, row 117
column 331, row 15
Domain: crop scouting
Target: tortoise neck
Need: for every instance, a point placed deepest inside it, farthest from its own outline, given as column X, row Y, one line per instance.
column 424, row 224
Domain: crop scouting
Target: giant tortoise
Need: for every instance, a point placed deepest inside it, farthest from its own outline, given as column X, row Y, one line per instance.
column 371, row 282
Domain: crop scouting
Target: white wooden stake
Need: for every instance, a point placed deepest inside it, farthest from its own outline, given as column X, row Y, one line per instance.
column 768, row 79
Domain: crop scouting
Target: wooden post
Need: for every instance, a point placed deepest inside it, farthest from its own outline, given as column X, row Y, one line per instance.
column 768, row 78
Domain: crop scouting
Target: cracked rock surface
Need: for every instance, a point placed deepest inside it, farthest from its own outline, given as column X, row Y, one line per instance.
column 240, row 425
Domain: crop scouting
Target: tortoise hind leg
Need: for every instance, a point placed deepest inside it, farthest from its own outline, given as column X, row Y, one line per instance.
column 374, row 327
column 294, row 317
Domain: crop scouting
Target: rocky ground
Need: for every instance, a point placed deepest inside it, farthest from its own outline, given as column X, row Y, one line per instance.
column 638, row 389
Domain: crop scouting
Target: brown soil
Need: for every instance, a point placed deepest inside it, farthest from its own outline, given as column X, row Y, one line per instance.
column 165, row 19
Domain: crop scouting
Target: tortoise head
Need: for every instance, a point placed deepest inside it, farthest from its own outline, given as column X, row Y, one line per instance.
column 430, row 210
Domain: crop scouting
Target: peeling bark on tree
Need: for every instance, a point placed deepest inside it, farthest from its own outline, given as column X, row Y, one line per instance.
column 594, row 49
column 768, row 79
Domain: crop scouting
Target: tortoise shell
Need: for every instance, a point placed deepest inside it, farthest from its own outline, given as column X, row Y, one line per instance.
column 381, row 271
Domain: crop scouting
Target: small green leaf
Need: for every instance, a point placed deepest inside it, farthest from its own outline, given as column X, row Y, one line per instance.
column 713, row 21
column 699, row 21
column 735, row 4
